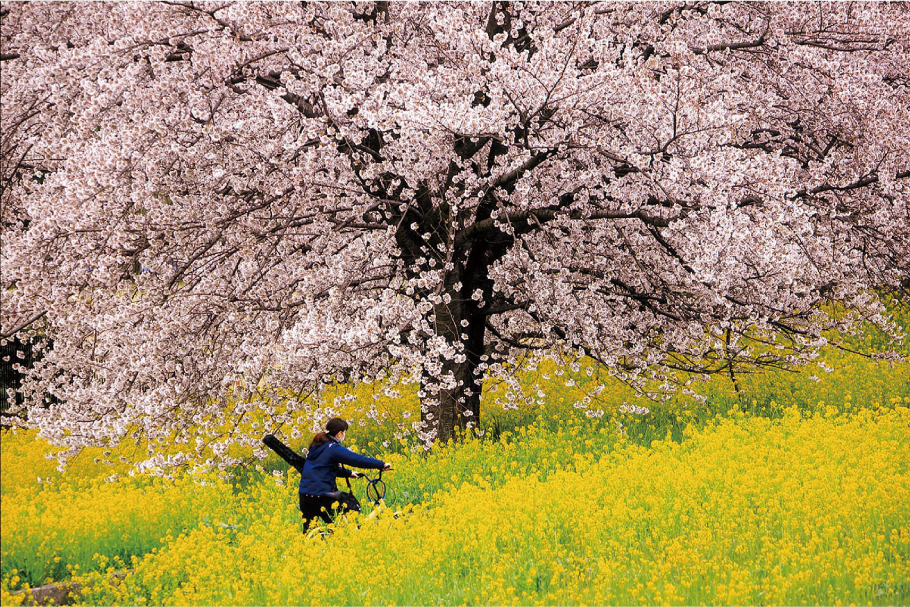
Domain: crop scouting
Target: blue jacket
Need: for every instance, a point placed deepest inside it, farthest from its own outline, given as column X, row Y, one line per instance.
column 323, row 465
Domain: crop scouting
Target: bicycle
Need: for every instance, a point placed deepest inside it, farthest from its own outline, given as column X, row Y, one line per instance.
column 375, row 487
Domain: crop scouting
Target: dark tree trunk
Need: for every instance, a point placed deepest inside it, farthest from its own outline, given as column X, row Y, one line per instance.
column 452, row 408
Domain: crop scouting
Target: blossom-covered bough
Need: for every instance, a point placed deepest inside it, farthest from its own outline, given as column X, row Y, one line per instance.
column 206, row 201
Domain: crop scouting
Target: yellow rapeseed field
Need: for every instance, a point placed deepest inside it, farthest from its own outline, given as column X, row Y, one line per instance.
column 802, row 510
column 793, row 491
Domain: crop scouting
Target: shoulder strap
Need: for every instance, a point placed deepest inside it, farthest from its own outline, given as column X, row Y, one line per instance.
column 347, row 479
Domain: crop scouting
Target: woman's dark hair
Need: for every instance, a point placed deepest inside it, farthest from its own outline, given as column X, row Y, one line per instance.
column 335, row 425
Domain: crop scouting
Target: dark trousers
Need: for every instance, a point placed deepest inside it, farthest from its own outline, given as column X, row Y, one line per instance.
column 319, row 506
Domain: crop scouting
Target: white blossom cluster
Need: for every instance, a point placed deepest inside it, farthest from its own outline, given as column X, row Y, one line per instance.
column 212, row 210
column 634, row 409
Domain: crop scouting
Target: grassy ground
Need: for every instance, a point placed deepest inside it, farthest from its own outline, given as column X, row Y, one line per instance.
column 793, row 490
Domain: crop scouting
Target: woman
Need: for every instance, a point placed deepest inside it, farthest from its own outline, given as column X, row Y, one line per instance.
column 323, row 466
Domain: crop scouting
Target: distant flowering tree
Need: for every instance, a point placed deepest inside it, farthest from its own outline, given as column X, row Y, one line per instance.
column 202, row 201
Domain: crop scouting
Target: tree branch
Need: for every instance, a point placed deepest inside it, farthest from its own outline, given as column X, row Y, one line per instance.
column 734, row 46
column 23, row 325
column 545, row 215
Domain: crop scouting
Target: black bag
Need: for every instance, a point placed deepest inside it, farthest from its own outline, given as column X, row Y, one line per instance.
column 287, row 454
column 345, row 498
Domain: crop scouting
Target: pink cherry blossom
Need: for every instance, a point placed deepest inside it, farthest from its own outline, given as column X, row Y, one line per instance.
column 215, row 209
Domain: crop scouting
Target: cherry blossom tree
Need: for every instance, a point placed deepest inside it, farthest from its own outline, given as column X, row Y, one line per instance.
column 203, row 202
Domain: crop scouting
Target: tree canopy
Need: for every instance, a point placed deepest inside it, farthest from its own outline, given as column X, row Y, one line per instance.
column 202, row 201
